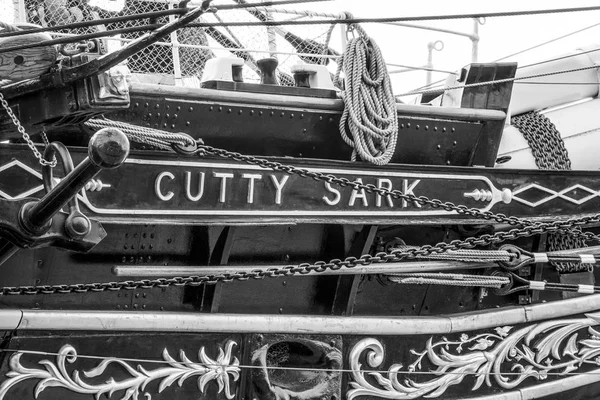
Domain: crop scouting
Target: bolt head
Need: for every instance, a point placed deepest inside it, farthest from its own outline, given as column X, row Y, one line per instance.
column 81, row 225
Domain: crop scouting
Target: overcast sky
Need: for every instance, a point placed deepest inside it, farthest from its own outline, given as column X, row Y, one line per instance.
column 499, row 36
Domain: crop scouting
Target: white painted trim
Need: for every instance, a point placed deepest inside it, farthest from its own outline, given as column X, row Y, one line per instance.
column 546, row 389
column 75, row 320
column 10, row 319
column 540, row 257
column 587, row 258
column 383, row 268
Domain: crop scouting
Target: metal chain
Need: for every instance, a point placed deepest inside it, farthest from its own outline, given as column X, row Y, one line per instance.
column 395, row 255
column 25, row 135
column 531, row 228
column 544, row 139
column 549, row 151
column 47, row 143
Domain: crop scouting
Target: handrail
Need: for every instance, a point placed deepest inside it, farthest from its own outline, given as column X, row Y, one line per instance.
column 473, row 36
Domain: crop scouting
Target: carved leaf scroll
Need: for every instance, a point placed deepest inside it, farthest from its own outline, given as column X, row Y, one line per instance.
column 55, row 374
column 531, row 352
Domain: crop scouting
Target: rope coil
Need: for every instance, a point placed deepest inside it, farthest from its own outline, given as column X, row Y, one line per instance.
column 369, row 123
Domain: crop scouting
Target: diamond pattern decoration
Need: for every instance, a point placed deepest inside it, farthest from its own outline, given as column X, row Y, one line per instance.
column 27, row 169
column 552, row 194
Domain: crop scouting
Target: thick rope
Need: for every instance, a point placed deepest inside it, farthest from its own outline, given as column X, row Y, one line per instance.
column 325, row 60
column 474, row 256
column 6, row 27
column 369, row 104
column 144, row 135
column 450, row 280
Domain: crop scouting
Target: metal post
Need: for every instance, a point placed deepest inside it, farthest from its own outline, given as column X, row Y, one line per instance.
column 438, row 45
column 175, row 53
column 344, row 31
column 19, row 13
column 271, row 38
column 475, row 38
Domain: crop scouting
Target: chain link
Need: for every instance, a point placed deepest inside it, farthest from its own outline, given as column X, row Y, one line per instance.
column 544, row 139
column 25, row 135
column 549, row 151
column 529, row 229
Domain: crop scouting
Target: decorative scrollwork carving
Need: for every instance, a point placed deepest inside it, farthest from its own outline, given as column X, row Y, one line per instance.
column 532, row 351
column 56, row 375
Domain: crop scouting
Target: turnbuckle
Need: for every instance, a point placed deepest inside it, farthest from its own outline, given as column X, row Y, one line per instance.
column 521, row 258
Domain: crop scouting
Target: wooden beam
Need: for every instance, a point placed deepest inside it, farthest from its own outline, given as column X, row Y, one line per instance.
column 345, row 294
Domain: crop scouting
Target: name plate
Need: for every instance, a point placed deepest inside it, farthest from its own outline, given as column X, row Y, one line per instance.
column 171, row 189
column 181, row 188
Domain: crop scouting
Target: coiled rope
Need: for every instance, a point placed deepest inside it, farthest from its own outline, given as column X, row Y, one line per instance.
column 369, row 105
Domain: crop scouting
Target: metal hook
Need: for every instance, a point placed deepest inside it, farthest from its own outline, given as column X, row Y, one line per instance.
column 81, row 47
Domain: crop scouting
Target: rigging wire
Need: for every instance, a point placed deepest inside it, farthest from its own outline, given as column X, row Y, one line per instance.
column 297, row 22
column 103, row 21
column 557, row 83
column 547, row 42
column 438, row 84
column 150, row 15
column 562, row 57
column 72, row 39
column 408, row 19
column 515, row 79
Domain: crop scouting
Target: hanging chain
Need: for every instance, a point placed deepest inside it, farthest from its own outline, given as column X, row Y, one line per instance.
column 529, row 229
column 549, row 151
column 25, row 135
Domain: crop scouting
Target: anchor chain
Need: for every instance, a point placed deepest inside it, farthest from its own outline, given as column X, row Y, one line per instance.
column 25, row 135
column 529, row 229
column 549, row 151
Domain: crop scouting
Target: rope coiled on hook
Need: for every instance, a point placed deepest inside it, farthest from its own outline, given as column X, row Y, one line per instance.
column 369, row 123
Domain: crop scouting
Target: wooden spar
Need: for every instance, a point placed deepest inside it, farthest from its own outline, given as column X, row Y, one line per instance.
column 384, row 268
column 93, row 67
column 26, row 63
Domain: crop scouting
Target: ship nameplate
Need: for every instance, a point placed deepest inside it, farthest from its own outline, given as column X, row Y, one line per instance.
column 168, row 188
column 178, row 188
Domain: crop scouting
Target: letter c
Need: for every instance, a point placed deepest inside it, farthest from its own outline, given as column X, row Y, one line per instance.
column 169, row 195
